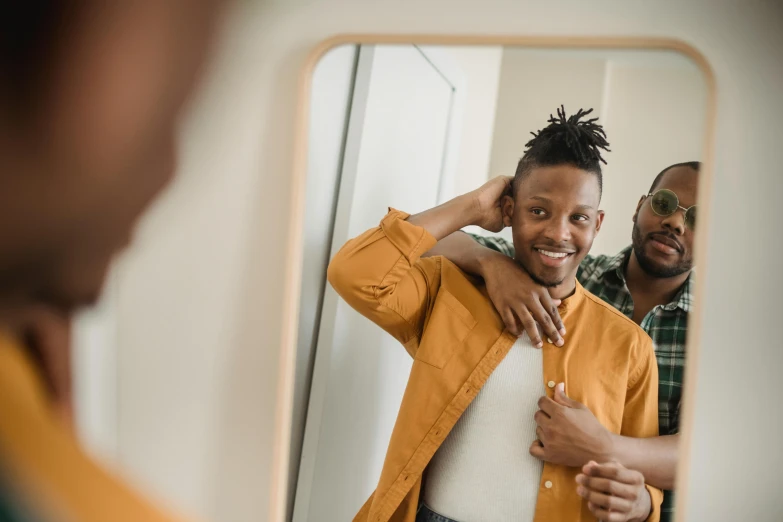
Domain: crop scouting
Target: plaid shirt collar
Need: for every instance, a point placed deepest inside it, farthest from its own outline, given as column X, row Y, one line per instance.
column 615, row 268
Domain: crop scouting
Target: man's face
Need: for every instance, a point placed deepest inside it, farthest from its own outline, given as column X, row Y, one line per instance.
column 663, row 245
column 79, row 169
column 554, row 219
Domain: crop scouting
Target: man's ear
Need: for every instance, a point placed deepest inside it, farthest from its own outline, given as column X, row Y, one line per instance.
column 507, row 207
column 638, row 206
column 599, row 220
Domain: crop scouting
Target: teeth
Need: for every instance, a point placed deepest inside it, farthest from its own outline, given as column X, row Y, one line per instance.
column 553, row 255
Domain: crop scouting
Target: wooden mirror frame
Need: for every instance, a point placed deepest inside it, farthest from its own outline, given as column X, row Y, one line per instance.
column 294, row 248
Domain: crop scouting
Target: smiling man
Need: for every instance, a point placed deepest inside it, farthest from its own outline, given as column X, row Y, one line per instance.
column 473, row 400
column 651, row 282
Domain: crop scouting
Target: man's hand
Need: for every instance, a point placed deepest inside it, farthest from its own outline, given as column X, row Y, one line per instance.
column 613, row 492
column 481, row 207
column 487, row 200
column 520, row 301
column 568, row 432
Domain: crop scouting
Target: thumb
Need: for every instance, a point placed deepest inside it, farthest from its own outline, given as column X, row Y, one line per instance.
column 562, row 398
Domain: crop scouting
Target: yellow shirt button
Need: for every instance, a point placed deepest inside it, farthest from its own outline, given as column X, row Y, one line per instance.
column 551, row 384
column 548, row 484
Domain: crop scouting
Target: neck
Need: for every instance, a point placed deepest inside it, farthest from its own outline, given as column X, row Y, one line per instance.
column 12, row 322
column 565, row 289
column 16, row 316
column 663, row 289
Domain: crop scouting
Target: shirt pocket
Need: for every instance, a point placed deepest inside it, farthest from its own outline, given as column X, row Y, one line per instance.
column 447, row 327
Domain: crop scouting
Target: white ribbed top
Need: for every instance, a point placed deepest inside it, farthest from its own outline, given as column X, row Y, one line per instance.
column 484, row 472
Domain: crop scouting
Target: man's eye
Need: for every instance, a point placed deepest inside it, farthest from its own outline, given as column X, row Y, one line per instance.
column 580, row 217
column 537, row 211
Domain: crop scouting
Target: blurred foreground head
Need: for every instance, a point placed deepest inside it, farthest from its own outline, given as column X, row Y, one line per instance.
column 90, row 98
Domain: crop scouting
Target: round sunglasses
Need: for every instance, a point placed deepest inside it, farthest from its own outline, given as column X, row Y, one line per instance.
column 664, row 202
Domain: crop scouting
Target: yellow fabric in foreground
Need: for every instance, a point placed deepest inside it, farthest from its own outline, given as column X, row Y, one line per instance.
column 50, row 472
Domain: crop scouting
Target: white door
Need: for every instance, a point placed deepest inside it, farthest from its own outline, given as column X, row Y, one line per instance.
column 395, row 153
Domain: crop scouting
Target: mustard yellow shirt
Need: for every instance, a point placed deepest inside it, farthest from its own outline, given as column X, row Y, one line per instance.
column 53, row 480
column 456, row 338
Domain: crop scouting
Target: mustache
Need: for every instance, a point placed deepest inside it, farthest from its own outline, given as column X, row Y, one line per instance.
column 668, row 236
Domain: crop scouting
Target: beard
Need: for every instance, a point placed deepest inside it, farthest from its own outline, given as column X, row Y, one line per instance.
column 543, row 282
column 652, row 267
column 48, row 283
column 546, row 283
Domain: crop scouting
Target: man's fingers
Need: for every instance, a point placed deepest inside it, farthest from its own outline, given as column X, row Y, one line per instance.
column 537, row 450
column 507, row 181
column 550, row 305
column 547, row 325
column 540, row 435
column 529, row 324
column 565, row 400
column 510, row 321
column 607, row 516
column 560, row 396
column 604, row 501
column 548, row 406
column 613, row 471
column 607, row 486
column 541, row 418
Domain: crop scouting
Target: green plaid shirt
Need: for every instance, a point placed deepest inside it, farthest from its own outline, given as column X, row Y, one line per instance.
column 667, row 325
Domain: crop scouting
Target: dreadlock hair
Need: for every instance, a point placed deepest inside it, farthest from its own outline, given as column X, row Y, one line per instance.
column 695, row 165
column 566, row 141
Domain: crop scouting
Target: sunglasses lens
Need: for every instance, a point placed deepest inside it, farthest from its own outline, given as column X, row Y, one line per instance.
column 690, row 218
column 664, row 202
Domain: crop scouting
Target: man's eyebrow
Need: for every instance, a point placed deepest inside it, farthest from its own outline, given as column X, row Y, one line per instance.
column 547, row 200
column 541, row 198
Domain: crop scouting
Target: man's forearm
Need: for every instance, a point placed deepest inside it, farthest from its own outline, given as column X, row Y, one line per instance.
column 655, row 457
column 447, row 218
column 463, row 251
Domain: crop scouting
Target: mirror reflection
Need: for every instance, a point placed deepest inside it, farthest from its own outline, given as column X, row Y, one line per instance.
column 500, row 334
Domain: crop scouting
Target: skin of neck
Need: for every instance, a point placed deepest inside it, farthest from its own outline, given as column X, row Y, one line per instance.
column 16, row 316
column 565, row 289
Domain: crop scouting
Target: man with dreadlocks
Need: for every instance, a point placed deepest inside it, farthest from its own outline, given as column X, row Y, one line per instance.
column 460, row 446
column 650, row 282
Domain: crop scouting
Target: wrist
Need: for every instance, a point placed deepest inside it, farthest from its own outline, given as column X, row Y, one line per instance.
column 447, row 218
column 471, row 208
column 486, row 259
column 609, row 448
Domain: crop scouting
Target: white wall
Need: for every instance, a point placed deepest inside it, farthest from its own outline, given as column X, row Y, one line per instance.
column 652, row 106
column 199, row 315
column 533, row 84
column 481, row 68
column 654, row 116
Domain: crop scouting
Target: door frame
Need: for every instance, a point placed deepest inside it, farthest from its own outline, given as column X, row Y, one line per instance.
column 452, row 73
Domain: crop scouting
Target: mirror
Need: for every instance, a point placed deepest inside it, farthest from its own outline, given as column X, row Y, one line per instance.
column 441, row 410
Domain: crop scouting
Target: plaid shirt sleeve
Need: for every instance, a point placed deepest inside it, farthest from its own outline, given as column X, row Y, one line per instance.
column 497, row 244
